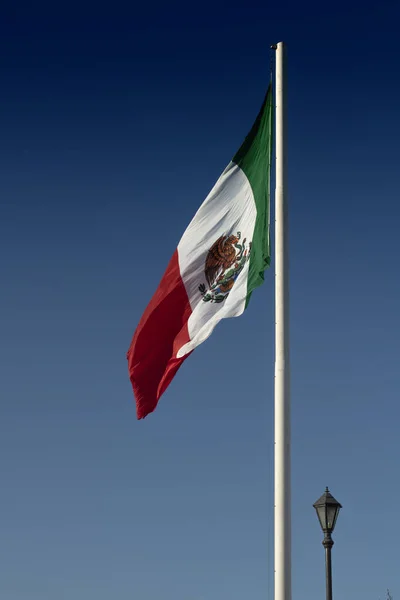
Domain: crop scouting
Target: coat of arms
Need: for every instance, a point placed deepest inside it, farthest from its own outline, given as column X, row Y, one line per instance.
column 224, row 263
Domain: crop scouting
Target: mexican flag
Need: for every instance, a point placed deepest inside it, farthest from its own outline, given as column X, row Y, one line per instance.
column 219, row 261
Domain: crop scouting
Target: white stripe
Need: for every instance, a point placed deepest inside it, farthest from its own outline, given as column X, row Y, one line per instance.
column 229, row 208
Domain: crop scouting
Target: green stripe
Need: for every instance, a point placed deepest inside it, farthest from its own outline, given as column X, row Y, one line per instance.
column 254, row 158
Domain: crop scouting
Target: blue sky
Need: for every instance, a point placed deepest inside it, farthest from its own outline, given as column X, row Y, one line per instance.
column 115, row 123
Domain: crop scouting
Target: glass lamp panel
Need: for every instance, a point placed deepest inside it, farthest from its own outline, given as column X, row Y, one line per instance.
column 333, row 512
column 337, row 509
column 321, row 512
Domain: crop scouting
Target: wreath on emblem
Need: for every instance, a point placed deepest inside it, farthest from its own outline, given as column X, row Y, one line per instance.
column 224, row 263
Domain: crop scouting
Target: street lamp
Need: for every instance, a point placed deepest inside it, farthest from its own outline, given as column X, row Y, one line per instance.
column 327, row 511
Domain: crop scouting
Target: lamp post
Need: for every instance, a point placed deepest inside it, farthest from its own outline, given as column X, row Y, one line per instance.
column 327, row 511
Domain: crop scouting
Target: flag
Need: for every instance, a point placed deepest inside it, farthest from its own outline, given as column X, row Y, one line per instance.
column 219, row 261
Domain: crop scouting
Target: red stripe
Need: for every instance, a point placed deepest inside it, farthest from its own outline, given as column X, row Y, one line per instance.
column 162, row 330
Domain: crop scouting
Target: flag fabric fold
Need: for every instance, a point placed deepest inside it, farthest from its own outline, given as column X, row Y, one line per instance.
column 219, row 261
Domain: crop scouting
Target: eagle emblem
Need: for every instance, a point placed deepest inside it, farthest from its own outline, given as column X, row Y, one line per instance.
column 224, row 263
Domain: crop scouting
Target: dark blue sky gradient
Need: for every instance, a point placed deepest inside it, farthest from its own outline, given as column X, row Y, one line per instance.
column 115, row 123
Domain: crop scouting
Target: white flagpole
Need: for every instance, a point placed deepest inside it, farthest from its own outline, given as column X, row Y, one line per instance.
column 282, row 500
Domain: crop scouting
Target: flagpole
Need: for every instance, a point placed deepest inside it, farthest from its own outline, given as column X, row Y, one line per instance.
column 282, row 493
